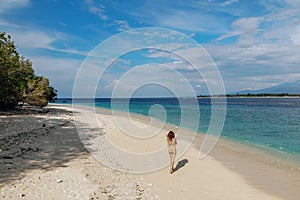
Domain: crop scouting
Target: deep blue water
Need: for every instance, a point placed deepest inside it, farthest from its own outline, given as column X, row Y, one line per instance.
column 267, row 122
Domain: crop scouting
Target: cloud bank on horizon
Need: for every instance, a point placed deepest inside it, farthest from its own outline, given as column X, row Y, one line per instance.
column 255, row 44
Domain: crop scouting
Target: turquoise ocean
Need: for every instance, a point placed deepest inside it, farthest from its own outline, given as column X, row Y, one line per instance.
column 270, row 123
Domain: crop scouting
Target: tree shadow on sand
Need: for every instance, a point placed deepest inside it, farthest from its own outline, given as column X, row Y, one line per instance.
column 181, row 164
column 37, row 141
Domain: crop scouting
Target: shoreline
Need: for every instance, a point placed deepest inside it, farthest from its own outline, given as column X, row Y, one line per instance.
column 248, row 161
column 262, row 152
column 272, row 154
column 72, row 172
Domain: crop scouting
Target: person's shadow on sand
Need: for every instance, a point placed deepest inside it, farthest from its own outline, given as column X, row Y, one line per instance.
column 181, row 164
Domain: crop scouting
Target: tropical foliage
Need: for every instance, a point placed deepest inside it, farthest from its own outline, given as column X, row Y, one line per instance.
column 18, row 83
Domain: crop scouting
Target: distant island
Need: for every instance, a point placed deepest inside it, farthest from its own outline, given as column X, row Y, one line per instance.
column 252, row 95
column 285, row 89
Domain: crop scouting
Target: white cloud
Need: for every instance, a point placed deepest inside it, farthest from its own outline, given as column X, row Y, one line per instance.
column 265, row 51
column 191, row 34
column 139, row 77
column 206, row 75
column 122, row 62
column 192, row 16
column 283, row 14
column 121, row 25
column 273, row 79
column 33, row 39
column 191, row 21
column 296, row 38
column 229, row 2
column 97, row 10
column 155, row 53
column 279, row 27
column 25, row 40
column 271, row 55
column 60, row 71
column 6, row 5
column 57, row 66
column 259, row 81
column 25, row 37
column 247, row 25
column 256, row 48
column 294, row 3
column 256, row 67
column 245, row 28
column 110, row 86
column 284, row 31
column 5, row 24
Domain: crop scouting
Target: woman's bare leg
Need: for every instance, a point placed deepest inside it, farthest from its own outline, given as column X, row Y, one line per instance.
column 172, row 160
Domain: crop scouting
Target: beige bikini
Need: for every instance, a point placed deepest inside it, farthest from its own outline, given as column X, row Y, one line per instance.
column 172, row 149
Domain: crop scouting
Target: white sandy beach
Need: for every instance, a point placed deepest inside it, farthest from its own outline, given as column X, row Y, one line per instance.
column 55, row 164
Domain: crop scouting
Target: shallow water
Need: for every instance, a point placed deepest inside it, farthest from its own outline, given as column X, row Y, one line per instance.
column 271, row 123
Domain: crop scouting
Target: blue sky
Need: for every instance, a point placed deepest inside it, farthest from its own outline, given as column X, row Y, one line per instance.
column 255, row 44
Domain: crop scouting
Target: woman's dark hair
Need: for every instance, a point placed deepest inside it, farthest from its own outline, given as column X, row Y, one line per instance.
column 171, row 135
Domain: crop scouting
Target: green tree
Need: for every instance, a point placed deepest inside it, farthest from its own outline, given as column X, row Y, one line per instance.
column 10, row 76
column 39, row 92
column 18, row 83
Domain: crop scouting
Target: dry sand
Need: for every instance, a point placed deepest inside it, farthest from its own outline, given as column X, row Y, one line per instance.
column 42, row 157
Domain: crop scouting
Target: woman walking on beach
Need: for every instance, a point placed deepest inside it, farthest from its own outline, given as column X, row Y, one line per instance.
column 171, row 141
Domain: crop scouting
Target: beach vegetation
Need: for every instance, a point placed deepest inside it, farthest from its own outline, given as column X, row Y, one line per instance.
column 18, row 82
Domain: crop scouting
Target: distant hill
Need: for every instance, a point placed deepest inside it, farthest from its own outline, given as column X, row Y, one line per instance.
column 288, row 87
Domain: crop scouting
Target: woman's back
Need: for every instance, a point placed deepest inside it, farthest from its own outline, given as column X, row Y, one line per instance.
column 171, row 141
column 172, row 144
